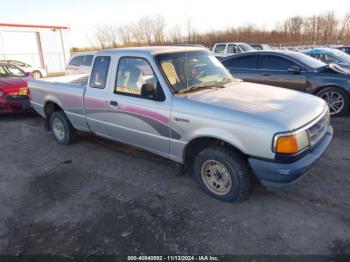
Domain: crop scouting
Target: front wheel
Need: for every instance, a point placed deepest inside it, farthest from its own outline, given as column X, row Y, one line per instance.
column 61, row 128
column 222, row 174
column 337, row 100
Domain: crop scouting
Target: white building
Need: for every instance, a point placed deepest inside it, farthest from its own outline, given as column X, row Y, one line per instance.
column 38, row 45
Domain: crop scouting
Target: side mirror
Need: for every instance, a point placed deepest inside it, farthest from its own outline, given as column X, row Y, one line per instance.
column 148, row 90
column 29, row 74
column 294, row 69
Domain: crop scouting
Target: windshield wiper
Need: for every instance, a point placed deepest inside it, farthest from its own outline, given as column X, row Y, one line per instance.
column 196, row 87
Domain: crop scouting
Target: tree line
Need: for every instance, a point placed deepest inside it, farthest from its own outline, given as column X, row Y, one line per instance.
column 324, row 28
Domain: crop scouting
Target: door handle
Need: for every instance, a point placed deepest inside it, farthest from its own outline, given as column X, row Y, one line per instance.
column 266, row 74
column 114, row 103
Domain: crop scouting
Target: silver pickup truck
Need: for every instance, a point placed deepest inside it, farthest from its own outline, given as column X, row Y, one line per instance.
column 182, row 104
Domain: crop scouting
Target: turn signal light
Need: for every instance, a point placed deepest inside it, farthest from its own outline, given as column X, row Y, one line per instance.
column 292, row 143
column 287, row 145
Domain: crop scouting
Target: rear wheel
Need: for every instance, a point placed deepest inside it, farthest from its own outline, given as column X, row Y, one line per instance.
column 337, row 100
column 61, row 128
column 222, row 173
column 37, row 74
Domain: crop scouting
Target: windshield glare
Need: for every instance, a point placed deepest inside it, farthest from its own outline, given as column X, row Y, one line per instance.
column 343, row 57
column 201, row 69
column 308, row 60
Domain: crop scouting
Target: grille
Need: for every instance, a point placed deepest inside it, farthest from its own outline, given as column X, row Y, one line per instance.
column 318, row 130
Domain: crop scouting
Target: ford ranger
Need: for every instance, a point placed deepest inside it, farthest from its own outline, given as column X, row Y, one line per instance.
column 182, row 104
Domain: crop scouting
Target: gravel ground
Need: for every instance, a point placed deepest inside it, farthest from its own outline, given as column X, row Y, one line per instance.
column 101, row 197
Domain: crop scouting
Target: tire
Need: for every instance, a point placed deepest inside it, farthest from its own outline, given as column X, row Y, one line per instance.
column 37, row 74
column 61, row 128
column 212, row 159
column 333, row 94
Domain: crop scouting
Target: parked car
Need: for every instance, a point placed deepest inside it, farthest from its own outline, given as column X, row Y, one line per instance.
column 227, row 49
column 182, row 104
column 296, row 71
column 261, row 46
column 330, row 56
column 80, row 63
column 13, row 89
column 37, row 72
column 345, row 49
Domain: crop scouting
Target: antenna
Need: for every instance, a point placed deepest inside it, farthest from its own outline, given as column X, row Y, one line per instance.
column 186, row 71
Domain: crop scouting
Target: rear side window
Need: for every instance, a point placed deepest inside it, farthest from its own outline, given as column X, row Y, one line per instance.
column 246, row 62
column 233, row 49
column 276, row 63
column 75, row 61
column 219, row 49
column 87, row 60
column 100, row 72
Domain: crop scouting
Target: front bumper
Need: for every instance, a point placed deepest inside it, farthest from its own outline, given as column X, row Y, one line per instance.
column 276, row 176
column 11, row 104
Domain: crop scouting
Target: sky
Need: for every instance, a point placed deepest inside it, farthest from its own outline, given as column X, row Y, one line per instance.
column 82, row 16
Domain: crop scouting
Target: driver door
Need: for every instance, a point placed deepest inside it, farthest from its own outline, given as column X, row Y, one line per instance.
column 134, row 117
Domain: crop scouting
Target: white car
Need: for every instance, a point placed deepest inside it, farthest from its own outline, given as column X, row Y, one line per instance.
column 227, row 49
column 80, row 63
column 37, row 72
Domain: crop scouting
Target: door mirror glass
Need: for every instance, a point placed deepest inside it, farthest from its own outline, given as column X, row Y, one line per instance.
column 148, row 90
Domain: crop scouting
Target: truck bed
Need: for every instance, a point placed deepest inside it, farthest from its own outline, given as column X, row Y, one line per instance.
column 66, row 91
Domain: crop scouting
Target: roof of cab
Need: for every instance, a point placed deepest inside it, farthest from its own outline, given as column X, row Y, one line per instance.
column 151, row 49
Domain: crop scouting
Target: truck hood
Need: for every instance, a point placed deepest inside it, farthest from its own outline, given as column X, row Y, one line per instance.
column 287, row 108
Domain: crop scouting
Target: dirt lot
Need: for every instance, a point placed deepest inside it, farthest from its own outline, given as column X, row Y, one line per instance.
column 100, row 197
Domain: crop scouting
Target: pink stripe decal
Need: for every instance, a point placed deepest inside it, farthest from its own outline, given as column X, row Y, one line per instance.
column 144, row 112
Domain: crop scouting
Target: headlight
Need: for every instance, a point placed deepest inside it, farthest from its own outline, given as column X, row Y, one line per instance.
column 291, row 143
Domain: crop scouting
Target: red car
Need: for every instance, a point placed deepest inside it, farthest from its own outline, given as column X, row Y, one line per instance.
column 13, row 89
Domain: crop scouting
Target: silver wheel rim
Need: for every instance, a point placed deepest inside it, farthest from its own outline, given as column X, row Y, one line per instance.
column 36, row 75
column 216, row 177
column 335, row 101
column 58, row 128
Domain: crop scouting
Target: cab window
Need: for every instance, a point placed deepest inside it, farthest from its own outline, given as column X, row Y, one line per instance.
column 219, row 49
column 87, row 60
column 75, row 61
column 232, row 49
column 99, row 73
column 135, row 77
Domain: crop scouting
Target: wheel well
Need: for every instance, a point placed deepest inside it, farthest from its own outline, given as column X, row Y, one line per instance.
column 323, row 87
column 49, row 108
column 198, row 144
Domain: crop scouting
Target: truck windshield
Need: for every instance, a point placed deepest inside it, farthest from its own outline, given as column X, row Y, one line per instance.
column 308, row 60
column 246, row 47
column 184, row 70
column 343, row 57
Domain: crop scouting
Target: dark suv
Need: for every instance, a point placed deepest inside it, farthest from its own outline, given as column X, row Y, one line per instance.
column 296, row 71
